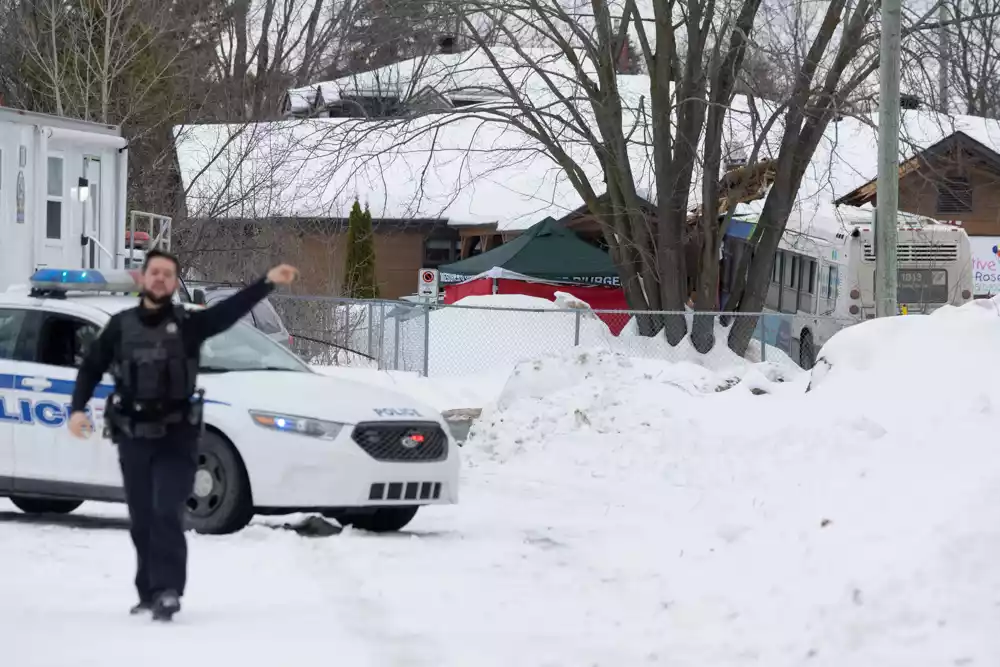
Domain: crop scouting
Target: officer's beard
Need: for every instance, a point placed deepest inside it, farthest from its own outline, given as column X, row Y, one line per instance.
column 156, row 300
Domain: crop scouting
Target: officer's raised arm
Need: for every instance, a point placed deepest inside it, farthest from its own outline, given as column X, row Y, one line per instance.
column 96, row 362
column 211, row 321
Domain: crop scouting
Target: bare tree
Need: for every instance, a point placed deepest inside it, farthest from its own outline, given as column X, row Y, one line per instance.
column 661, row 141
column 266, row 47
column 108, row 61
column 809, row 113
column 551, row 72
column 571, row 102
column 960, row 58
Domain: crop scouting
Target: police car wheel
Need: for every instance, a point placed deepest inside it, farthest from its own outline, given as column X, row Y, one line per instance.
column 220, row 501
column 45, row 505
column 384, row 519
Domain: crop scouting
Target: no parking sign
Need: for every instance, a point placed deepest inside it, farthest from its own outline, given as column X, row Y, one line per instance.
column 427, row 283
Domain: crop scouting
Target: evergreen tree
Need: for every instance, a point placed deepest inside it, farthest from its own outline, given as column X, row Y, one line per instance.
column 359, row 266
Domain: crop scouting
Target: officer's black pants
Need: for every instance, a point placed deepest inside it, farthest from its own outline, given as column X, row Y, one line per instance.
column 159, row 477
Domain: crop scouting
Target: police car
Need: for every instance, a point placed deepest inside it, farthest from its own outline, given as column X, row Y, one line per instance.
column 279, row 437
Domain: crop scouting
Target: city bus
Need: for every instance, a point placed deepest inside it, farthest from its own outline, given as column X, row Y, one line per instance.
column 821, row 284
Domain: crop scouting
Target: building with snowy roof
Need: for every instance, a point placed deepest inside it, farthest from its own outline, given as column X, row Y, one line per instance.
column 444, row 185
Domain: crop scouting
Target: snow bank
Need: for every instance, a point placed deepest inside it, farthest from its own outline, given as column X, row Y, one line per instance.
column 852, row 524
column 719, row 357
column 605, row 393
column 943, row 362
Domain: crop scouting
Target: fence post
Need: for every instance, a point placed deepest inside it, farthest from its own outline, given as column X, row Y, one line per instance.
column 395, row 353
column 341, row 330
column 427, row 337
column 371, row 329
column 763, row 337
column 381, row 334
column 576, row 334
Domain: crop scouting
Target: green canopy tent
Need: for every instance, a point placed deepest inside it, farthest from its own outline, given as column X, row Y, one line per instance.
column 546, row 251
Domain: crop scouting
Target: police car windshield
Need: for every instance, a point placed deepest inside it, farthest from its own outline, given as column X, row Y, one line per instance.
column 244, row 348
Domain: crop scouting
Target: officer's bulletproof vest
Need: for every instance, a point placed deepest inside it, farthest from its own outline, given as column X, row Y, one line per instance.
column 154, row 366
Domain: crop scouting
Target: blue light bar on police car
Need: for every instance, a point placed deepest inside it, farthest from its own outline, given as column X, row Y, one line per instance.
column 85, row 280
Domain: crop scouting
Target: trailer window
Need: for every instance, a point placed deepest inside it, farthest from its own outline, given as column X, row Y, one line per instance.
column 54, row 199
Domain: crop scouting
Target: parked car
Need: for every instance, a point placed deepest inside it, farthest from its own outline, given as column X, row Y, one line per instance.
column 263, row 316
column 280, row 437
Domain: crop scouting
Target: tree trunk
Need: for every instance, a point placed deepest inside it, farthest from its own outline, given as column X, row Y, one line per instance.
column 798, row 145
column 707, row 298
column 240, row 8
column 740, row 282
column 771, row 223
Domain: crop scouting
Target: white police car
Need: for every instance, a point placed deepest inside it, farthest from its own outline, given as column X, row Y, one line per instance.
column 279, row 437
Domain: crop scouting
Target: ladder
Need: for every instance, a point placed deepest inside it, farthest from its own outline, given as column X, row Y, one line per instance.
column 152, row 229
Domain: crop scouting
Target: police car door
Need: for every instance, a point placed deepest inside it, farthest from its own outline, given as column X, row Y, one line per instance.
column 11, row 321
column 53, row 344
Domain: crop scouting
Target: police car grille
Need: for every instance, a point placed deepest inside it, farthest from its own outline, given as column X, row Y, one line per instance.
column 385, row 442
column 404, row 491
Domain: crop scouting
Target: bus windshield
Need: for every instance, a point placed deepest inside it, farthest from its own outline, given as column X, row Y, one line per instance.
column 244, row 348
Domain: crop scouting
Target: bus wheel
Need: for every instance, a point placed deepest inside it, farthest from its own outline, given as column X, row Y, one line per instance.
column 807, row 355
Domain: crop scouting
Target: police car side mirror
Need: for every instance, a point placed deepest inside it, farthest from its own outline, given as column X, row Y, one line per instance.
column 198, row 296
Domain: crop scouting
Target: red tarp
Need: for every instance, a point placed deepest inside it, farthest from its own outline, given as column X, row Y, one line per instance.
column 598, row 297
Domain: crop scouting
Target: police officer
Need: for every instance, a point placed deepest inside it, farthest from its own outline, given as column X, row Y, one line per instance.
column 155, row 414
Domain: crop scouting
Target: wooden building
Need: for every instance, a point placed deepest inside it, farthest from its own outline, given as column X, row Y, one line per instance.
column 227, row 249
column 955, row 180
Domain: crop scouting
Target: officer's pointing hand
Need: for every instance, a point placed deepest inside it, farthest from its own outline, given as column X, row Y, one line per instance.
column 79, row 424
column 283, row 274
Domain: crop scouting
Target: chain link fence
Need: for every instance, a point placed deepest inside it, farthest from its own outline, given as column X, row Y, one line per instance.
column 451, row 340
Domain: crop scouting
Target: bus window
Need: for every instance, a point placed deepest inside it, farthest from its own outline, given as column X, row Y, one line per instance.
column 807, row 286
column 834, row 283
column 824, row 282
column 773, row 297
column 789, row 297
column 791, row 274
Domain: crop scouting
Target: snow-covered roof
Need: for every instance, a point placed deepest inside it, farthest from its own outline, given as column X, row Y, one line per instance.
column 469, row 74
column 463, row 167
column 468, row 170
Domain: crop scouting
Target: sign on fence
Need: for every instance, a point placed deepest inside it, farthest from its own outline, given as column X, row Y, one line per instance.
column 427, row 283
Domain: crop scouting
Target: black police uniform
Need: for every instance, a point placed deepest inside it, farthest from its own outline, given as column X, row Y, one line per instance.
column 155, row 414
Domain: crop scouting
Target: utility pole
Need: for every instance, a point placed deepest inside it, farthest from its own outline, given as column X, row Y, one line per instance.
column 887, row 192
column 944, row 59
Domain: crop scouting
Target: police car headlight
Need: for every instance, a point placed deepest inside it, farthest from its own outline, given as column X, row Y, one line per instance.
column 316, row 428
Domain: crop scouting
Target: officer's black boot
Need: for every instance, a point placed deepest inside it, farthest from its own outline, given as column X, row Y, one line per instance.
column 166, row 605
column 141, row 608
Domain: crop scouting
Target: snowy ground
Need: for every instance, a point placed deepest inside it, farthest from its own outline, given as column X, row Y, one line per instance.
column 614, row 512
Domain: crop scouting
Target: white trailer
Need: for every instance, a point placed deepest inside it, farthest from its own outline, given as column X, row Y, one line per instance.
column 62, row 195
